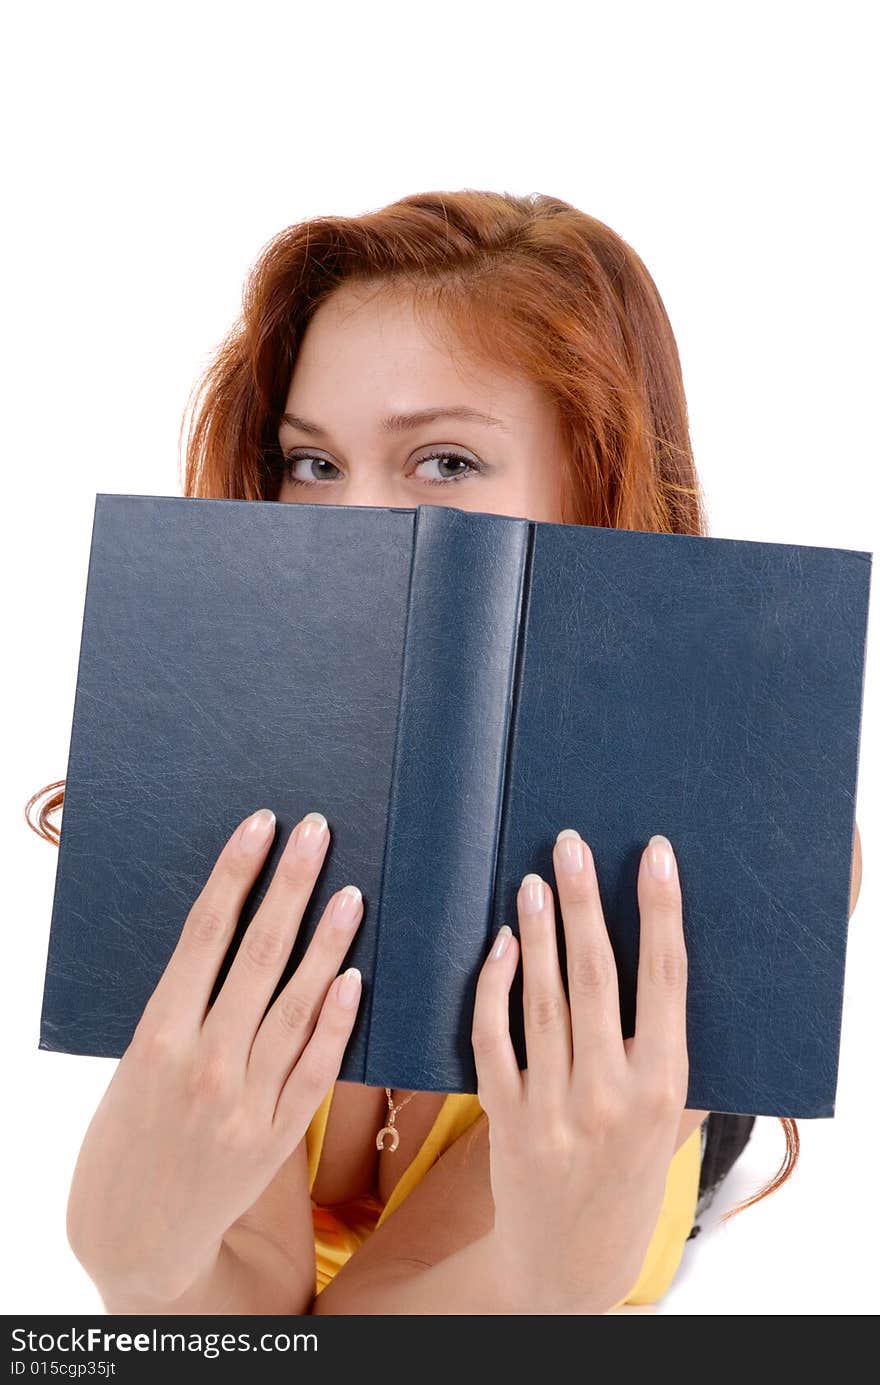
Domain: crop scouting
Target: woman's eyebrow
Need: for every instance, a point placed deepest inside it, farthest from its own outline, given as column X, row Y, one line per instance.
column 398, row 423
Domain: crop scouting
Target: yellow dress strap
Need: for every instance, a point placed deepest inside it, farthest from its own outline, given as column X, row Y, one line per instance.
column 315, row 1136
column 458, row 1112
column 674, row 1224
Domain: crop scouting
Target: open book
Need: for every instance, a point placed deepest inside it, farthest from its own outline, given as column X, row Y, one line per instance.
column 451, row 689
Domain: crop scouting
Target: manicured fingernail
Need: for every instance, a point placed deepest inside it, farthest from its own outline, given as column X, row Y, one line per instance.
column 502, row 938
column 257, row 831
column 532, row 894
column 345, row 907
column 310, row 834
column 349, row 988
column 660, row 862
column 571, row 851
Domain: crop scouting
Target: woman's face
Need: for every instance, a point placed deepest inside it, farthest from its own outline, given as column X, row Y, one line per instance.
column 363, row 359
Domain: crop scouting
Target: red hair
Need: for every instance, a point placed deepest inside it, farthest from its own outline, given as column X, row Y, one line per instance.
column 529, row 282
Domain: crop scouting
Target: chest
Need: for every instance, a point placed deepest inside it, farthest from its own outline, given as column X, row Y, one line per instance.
column 350, row 1164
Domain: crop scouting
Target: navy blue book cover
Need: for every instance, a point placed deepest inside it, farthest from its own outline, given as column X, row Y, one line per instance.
column 451, row 689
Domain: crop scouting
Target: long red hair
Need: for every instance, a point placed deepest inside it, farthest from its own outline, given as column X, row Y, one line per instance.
column 529, row 282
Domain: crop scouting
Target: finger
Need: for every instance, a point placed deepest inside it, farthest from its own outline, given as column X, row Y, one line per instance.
column 594, row 1005
column 545, row 1009
column 184, row 989
column 265, row 947
column 499, row 1080
column 319, row 1064
column 660, row 1037
column 290, row 1022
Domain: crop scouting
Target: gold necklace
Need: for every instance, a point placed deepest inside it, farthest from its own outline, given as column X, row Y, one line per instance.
column 389, row 1128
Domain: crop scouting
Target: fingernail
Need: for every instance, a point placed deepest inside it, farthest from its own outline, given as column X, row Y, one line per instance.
column 257, row 830
column 310, row 834
column 571, row 851
column 349, row 988
column 502, row 938
column 660, row 862
column 533, row 894
column 345, row 907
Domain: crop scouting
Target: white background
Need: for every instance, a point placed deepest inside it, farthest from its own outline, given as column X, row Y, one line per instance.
column 150, row 153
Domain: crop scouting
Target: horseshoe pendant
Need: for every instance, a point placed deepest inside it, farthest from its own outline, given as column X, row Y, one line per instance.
column 395, row 1138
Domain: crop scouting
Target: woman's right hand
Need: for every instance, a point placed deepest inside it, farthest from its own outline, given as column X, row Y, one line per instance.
column 208, row 1102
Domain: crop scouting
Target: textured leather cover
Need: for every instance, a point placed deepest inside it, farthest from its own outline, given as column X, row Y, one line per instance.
column 451, row 689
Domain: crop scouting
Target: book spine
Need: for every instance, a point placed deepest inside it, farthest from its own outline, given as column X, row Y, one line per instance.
column 468, row 579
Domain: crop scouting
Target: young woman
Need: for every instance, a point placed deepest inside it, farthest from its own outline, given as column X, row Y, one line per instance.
column 508, row 355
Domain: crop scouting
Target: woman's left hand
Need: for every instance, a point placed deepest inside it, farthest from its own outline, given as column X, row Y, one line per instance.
column 581, row 1140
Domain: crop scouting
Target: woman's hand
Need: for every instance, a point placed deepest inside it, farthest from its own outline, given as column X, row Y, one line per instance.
column 206, row 1104
column 582, row 1139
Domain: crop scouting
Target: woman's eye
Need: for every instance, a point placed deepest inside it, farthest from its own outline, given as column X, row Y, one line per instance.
column 309, row 472
column 443, row 460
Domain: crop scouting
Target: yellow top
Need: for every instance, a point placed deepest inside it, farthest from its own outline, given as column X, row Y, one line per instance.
column 339, row 1232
